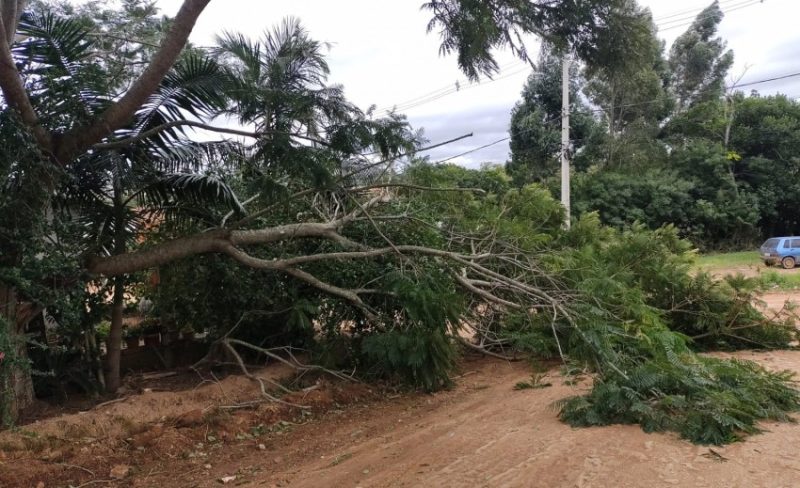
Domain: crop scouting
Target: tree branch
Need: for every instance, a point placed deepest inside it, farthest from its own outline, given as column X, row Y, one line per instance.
column 10, row 81
column 334, row 290
column 220, row 241
column 283, row 264
column 490, row 297
column 80, row 139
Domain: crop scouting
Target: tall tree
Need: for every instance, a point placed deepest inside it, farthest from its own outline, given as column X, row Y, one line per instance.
column 536, row 120
column 633, row 98
column 699, row 60
column 765, row 138
column 597, row 31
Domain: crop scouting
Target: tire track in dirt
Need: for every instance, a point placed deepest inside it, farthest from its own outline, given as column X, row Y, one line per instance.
column 487, row 434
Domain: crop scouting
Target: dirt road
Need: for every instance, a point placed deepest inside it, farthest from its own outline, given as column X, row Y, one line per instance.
column 481, row 433
column 485, row 433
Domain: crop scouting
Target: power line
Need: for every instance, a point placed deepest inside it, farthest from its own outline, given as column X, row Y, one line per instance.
column 593, row 111
column 548, row 121
column 693, row 16
column 687, row 11
column 456, row 87
column 450, row 89
column 473, row 150
column 767, row 80
column 732, row 9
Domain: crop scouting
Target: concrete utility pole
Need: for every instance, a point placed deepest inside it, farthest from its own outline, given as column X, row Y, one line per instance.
column 565, row 138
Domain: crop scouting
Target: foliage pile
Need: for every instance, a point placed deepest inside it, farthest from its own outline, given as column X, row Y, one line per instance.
column 634, row 311
column 643, row 317
column 706, row 400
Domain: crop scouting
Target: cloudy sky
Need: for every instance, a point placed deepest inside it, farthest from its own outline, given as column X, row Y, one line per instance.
column 382, row 55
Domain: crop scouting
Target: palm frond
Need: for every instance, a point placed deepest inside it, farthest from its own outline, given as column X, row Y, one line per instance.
column 55, row 59
column 197, row 189
column 52, row 41
column 194, row 89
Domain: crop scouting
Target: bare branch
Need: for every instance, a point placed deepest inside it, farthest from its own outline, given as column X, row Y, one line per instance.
column 292, row 362
column 250, row 218
column 469, row 285
column 227, row 345
column 486, row 351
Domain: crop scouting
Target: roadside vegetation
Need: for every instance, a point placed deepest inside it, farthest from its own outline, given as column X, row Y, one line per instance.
column 729, row 260
column 750, row 264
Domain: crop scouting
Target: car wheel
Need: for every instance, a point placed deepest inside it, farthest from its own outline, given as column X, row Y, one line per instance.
column 767, row 263
column 788, row 262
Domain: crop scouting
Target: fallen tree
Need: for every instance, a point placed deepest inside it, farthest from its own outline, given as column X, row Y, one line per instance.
column 392, row 265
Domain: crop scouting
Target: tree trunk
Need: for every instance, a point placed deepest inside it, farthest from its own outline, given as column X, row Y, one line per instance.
column 10, row 12
column 114, row 344
column 730, row 113
column 17, row 383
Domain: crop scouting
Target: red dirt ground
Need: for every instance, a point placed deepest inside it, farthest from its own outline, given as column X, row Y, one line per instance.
column 481, row 433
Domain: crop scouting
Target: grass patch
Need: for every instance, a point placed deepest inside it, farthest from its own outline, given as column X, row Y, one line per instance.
column 772, row 279
column 729, row 259
column 536, row 382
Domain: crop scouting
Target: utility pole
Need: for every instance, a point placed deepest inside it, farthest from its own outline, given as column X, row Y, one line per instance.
column 565, row 138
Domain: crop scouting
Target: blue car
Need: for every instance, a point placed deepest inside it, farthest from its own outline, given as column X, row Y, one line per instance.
column 784, row 250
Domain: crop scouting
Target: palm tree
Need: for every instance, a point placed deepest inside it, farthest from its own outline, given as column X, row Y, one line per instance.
column 277, row 84
column 147, row 169
column 309, row 130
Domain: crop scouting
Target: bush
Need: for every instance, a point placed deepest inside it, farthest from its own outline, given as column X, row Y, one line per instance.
column 419, row 356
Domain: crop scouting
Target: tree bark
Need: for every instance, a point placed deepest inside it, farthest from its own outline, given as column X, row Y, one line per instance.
column 17, row 382
column 11, row 11
column 730, row 113
column 114, row 344
column 13, row 89
column 209, row 242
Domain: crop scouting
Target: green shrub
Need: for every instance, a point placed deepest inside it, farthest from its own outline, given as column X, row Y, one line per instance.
column 416, row 346
column 420, row 357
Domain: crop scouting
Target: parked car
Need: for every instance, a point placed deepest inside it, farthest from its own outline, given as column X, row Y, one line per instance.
column 783, row 250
